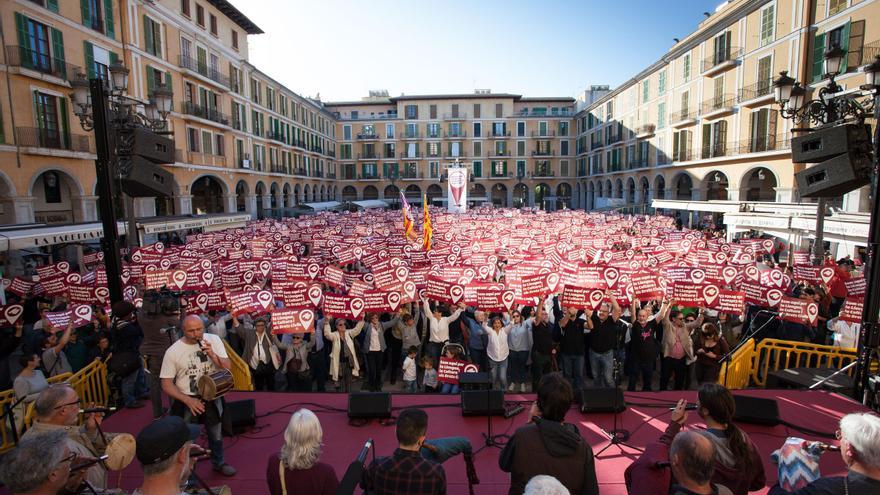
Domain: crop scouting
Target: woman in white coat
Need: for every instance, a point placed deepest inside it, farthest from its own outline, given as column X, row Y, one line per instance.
column 340, row 337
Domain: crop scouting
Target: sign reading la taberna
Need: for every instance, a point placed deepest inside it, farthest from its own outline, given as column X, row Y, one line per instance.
column 457, row 180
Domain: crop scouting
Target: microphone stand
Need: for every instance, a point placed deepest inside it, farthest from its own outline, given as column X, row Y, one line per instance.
column 752, row 332
column 9, row 413
column 616, row 436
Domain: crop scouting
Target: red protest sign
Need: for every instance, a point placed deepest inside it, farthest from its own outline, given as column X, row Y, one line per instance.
column 10, row 314
column 343, row 306
column 852, row 310
column 541, row 284
column 856, row 286
column 646, row 286
column 449, row 369
column 207, row 301
column 80, row 315
column 293, row 321
column 81, row 294
column 21, row 287
column 261, row 302
column 798, row 310
column 581, row 297
column 730, row 301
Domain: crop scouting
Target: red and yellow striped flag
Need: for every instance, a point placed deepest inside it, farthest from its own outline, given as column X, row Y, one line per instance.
column 428, row 230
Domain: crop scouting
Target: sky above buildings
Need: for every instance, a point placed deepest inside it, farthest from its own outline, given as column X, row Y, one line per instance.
column 342, row 49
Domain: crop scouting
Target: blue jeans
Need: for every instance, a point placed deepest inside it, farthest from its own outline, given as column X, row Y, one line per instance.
column 433, row 350
column 519, row 367
column 409, row 386
column 449, row 388
column 134, row 386
column 573, row 369
column 498, row 369
column 447, row 447
column 602, row 364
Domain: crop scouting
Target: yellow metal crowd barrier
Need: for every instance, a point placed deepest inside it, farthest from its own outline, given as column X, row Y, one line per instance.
column 773, row 354
column 8, row 397
column 241, row 372
column 736, row 372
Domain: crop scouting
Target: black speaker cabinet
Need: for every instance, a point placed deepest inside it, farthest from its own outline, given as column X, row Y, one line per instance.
column 836, row 176
column 141, row 178
column 475, row 381
column 602, row 400
column 242, row 415
column 756, row 410
column 369, row 405
column 822, row 144
column 482, row 403
column 145, row 143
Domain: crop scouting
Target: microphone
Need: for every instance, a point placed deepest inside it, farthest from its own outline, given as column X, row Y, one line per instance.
column 355, row 470
column 767, row 311
column 832, row 448
column 689, row 407
column 363, row 454
column 97, row 410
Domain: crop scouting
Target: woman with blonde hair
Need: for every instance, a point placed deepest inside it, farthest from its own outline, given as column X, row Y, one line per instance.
column 296, row 469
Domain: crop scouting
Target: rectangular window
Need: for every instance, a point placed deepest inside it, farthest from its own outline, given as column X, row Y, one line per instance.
column 235, row 39
column 661, row 115
column 477, row 110
column 686, row 68
column 836, row 6
column 661, row 84
column 478, row 148
column 768, row 25
column 433, row 112
column 389, row 131
column 433, row 149
column 563, row 168
column 645, row 91
column 213, row 23
column 208, row 149
column 193, row 140
column 412, row 111
column 184, row 7
column 478, row 169
column 434, row 168
column 499, row 110
column 433, row 130
column 563, row 128
column 542, row 129
column 478, row 129
column 521, row 148
column 563, row 148
column 765, row 76
column 520, row 129
column 152, row 37
column 454, row 111
column 412, row 131
column 200, row 15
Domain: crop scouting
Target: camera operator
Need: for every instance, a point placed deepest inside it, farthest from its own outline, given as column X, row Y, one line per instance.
column 126, row 361
column 160, row 319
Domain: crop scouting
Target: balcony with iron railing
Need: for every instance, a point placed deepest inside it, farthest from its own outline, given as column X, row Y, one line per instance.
column 279, row 169
column 455, row 116
column 37, row 137
column 721, row 60
column 369, row 156
column 499, row 153
column 275, row 136
column 300, row 172
column 368, row 176
column 383, row 116
column 203, row 69
column 454, row 134
column 391, row 154
column 432, row 135
column 685, row 116
column 299, row 143
column 349, row 175
column 683, row 155
column 499, row 175
column 194, row 158
column 367, row 136
column 542, row 173
column 331, row 175
column 411, row 175
column 760, row 144
column 716, row 150
column 635, row 163
column 544, row 134
column 645, row 130
column 317, row 149
column 208, row 113
column 27, row 58
column 756, row 93
column 498, row 134
column 548, row 152
column 405, row 154
column 718, row 106
column 411, row 135
column 562, row 112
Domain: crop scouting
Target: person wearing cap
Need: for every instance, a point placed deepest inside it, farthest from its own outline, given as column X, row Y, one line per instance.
column 163, row 449
column 192, row 356
column 126, row 362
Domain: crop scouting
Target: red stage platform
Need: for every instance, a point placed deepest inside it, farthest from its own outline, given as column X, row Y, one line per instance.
column 815, row 410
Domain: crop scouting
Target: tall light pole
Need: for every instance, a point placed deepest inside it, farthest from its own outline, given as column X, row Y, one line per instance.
column 107, row 111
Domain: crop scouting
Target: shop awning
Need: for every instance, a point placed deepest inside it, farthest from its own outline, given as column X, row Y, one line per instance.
column 209, row 223
column 49, row 235
column 321, row 206
column 369, row 204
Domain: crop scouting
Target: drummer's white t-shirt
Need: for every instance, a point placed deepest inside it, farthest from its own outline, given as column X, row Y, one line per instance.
column 185, row 363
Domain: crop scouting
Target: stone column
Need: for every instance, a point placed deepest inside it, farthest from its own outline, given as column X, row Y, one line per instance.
column 858, row 200
column 23, row 209
column 509, row 197
column 250, row 202
column 182, row 204
column 85, row 208
column 144, row 207
column 784, row 194
column 229, row 204
column 733, row 192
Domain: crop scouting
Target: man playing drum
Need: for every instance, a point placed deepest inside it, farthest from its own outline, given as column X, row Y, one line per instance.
column 192, row 356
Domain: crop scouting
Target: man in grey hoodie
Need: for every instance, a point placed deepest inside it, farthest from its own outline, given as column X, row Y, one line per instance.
column 549, row 446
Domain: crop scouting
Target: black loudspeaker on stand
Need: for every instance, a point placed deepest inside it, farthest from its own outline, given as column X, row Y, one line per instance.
column 616, row 436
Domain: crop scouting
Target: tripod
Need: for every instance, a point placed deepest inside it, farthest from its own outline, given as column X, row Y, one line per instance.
column 616, row 436
column 490, row 440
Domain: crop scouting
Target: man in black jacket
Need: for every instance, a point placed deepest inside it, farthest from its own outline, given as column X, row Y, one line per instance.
column 127, row 337
column 549, row 446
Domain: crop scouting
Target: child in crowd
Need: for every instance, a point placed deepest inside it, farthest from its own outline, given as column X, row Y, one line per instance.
column 452, row 352
column 409, row 370
column 429, row 379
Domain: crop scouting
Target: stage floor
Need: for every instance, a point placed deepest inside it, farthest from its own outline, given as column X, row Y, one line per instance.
column 815, row 410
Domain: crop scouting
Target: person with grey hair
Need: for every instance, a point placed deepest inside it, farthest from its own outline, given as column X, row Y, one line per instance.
column 692, row 459
column 545, row 485
column 40, row 465
column 859, row 437
column 296, row 469
column 57, row 409
column 163, row 449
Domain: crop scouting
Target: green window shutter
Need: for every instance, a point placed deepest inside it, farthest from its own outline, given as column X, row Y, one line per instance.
column 844, row 43
column 818, row 56
column 675, row 147
column 90, row 59
column 169, row 85
column 65, row 125
column 114, row 57
column 504, row 167
column 108, row 19
column 24, row 54
column 150, row 81
column 148, row 36
column 856, row 44
column 52, row 5
column 86, row 12
column 58, row 53
column 38, row 111
column 707, row 139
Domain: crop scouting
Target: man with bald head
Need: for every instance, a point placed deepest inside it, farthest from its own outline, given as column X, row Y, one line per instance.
column 193, row 355
column 692, row 459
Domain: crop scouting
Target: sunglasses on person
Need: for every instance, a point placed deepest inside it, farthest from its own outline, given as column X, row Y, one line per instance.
column 297, row 338
column 75, row 403
column 69, row 458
